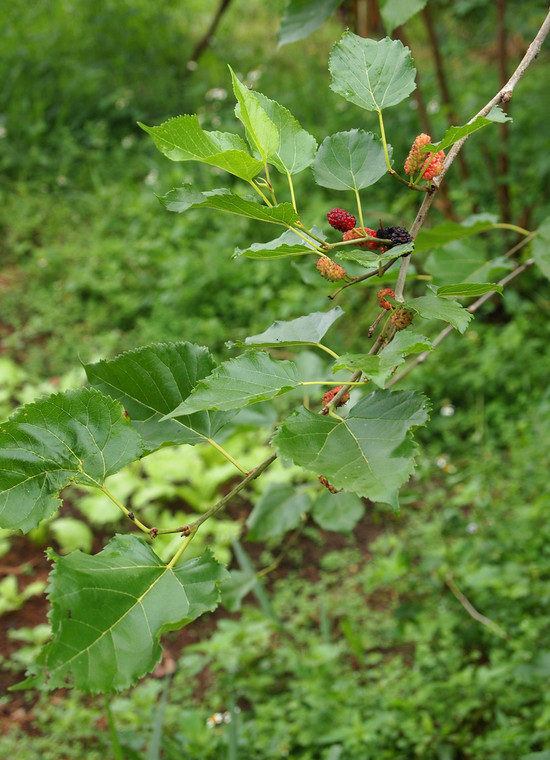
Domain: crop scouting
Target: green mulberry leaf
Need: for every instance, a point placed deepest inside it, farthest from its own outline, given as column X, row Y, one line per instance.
column 369, row 453
column 350, row 160
column 150, row 382
column 78, row 436
column 183, row 139
column 186, row 197
column 373, row 75
column 109, row 611
column 254, row 376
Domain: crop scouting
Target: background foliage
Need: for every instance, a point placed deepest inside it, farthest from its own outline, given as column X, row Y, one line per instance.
column 84, row 240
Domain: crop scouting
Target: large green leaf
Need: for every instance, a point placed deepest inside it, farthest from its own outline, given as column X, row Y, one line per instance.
column 254, row 376
column 109, row 611
column 454, row 134
column 185, row 197
column 369, row 453
column 78, row 436
column 183, row 139
column 350, row 160
column 306, row 330
column 373, row 75
column 287, row 244
column 279, row 509
column 153, row 380
column 541, row 247
column 296, row 149
column 449, row 231
column 432, row 307
column 397, row 12
column 261, row 132
column 303, row 17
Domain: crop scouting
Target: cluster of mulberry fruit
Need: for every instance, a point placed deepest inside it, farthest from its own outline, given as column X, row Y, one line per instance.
column 429, row 164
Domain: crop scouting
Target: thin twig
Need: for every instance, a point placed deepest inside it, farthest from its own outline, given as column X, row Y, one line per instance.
column 471, row 610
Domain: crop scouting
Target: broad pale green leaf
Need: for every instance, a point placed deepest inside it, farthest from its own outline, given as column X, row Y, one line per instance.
column 368, row 258
column 468, row 289
column 350, row 160
column 279, row 509
column 183, row 139
column 261, row 132
column 338, row 511
column 287, row 244
column 397, row 12
column 254, row 376
column 296, row 149
column 78, row 436
column 306, row 330
column 454, row 134
column 153, row 380
column 185, row 197
column 432, row 307
column 449, row 231
column 541, row 247
column 369, row 453
column 460, row 262
column 302, row 17
column 373, row 75
column 109, row 611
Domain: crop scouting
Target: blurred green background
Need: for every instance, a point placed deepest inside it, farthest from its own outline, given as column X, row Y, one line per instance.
column 377, row 657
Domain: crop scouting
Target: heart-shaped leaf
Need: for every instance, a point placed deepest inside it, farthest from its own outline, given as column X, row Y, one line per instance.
column 109, row 611
column 373, row 75
column 153, row 380
column 369, row 453
column 350, row 160
column 78, row 436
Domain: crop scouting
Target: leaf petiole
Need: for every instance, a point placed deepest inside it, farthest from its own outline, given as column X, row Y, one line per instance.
column 129, row 515
column 227, row 455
